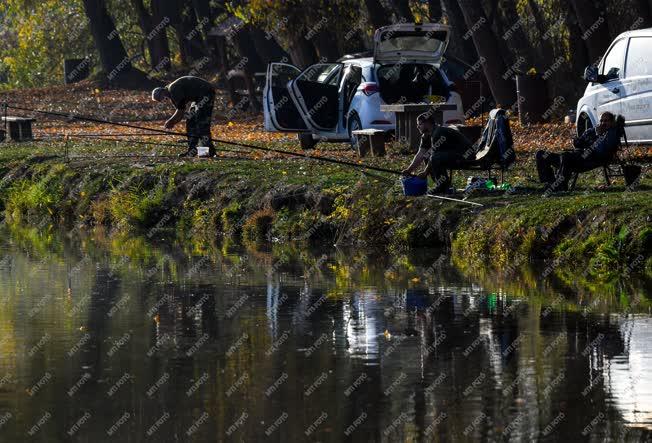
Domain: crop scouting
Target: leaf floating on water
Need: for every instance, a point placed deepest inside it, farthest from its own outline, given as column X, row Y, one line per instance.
column 387, row 335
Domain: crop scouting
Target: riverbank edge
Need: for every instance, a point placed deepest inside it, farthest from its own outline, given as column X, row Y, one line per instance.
column 606, row 235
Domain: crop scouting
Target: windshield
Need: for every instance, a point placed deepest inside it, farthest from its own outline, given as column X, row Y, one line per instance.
column 412, row 41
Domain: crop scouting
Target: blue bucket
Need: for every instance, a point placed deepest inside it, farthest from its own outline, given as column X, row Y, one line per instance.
column 414, row 186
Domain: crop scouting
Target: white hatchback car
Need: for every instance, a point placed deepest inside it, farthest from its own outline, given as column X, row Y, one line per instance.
column 328, row 101
column 621, row 84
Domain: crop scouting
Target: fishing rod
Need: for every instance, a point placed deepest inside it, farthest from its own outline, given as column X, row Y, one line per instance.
column 226, row 142
column 110, row 134
column 136, row 142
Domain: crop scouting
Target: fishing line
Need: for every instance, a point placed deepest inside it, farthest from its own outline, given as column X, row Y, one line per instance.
column 226, row 142
column 136, row 142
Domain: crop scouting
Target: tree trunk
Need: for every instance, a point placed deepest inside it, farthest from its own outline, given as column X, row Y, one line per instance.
column 113, row 56
column 644, row 11
column 377, row 14
column 186, row 28
column 545, row 48
column 324, row 45
column 223, row 61
column 434, row 10
column 250, row 63
column 460, row 46
column 267, row 47
column 500, row 82
column 514, row 35
column 497, row 24
column 301, row 51
column 155, row 36
column 578, row 50
column 403, row 10
column 594, row 26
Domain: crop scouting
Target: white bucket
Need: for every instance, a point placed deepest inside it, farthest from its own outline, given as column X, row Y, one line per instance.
column 202, row 151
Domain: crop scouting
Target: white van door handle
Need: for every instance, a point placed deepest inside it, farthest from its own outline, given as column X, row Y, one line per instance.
column 615, row 90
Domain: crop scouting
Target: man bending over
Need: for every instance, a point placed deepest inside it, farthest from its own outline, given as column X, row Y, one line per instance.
column 200, row 95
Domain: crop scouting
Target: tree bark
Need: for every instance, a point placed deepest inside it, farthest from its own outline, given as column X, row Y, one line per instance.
column 155, row 36
column 302, row 51
column 500, row 82
column 223, row 61
column 250, row 63
column 545, row 48
column 514, row 35
column 644, row 11
column 187, row 29
column 459, row 46
column 267, row 47
column 578, row 49
column 594, row 26
column 325, row 47
column 377, row 14
column 403, row 10
column 113, row 56
column 434, row 10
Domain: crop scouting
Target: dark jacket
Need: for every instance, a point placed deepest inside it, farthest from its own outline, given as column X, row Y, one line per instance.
column 598, row 147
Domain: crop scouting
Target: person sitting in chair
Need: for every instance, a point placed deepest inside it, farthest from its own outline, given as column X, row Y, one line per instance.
column 594, row 148
column 441, row 148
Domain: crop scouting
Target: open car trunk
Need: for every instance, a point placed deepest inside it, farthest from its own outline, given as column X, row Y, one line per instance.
column 410, row 83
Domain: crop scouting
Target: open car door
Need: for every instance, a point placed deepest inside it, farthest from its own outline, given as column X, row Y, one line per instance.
column 412, row 43
column 280, row 111
column 315, row 93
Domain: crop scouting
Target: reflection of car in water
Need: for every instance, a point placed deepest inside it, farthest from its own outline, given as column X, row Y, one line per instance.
column 627, row 375
column 328, row 101
column 621, row 84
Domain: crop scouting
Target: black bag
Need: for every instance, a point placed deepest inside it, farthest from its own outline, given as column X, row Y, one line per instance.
column 631, row 174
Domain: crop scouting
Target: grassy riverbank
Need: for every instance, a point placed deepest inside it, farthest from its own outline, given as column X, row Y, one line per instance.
column 279, row 200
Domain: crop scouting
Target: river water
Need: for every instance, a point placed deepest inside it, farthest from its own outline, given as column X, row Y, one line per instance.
column 118, row 340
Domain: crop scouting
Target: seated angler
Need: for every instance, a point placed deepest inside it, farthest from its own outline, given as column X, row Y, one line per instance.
column 442, row 148
column 593, row 149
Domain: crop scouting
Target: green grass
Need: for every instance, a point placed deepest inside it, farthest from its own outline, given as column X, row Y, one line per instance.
column 283, row 199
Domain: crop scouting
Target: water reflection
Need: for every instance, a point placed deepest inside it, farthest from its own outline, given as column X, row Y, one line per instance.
column 97, row 346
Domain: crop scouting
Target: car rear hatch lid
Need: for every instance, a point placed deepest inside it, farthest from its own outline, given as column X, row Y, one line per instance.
column 410, row 42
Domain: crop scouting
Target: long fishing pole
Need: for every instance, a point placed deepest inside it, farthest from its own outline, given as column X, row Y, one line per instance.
column 109, row 134
column 226, row 142
column 245, row 145
column 136, row 142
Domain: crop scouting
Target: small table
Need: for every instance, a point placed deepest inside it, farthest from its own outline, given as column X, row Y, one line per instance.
column 406, row 119
column 370, row 140
column 20, row 128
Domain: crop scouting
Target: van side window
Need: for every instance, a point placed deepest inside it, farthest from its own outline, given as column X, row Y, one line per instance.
column 639, row 57
column 613, row 62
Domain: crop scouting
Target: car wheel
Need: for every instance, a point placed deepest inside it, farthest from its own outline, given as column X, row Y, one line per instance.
column 306, row 141
column 583, row 123
column 354, row 125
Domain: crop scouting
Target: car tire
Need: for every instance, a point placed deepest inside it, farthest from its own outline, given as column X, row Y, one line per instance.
column 307, row 141
column 583, row 123
column 354, row 125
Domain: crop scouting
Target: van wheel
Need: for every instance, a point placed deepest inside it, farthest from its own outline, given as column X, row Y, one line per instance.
column 306, row 141
column 354, row 125
column 583, row 123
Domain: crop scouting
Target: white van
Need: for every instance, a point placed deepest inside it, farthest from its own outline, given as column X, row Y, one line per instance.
column 621, row 84
column 328, row 101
